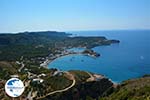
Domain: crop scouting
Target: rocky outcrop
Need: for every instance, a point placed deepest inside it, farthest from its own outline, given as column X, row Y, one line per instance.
column 91, row 52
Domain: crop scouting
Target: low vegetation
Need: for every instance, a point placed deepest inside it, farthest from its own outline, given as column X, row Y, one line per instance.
column 135, row 89
column 80, row 76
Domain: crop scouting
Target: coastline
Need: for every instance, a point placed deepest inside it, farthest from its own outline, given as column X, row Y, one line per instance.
column 67, row 53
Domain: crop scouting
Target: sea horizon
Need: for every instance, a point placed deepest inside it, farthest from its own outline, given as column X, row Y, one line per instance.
column 68, row 31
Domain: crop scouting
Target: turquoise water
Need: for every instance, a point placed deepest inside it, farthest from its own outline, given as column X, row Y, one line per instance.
column 128, row 59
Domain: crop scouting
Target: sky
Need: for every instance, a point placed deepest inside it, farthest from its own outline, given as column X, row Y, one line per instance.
column 72, row 15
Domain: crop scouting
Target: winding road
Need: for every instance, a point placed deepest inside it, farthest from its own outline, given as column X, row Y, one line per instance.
column 92, row 78
column 22, row 66
column 62, row 90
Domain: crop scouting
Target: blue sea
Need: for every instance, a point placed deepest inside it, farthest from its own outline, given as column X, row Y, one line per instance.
column 128, row 59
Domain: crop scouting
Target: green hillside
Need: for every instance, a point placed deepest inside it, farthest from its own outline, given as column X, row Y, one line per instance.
column 41, row 44
column 134, row 89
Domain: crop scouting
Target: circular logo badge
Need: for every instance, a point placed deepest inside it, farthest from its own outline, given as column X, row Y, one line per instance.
column 14, row 87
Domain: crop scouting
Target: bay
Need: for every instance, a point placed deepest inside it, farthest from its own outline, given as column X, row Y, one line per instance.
column 128, row 59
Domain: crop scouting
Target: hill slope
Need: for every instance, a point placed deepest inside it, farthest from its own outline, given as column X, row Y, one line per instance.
column 135, row 89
